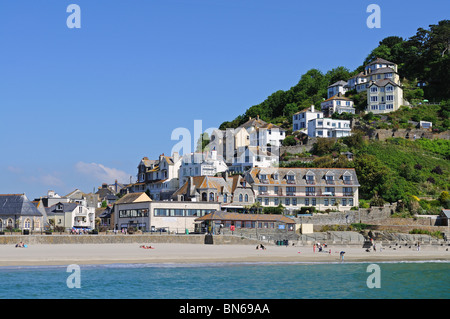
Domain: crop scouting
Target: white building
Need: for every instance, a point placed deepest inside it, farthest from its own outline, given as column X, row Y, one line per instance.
column 160, row 176
column 138, row 211
column 337, row 104
column 321, row 188
column 300, row 119
column 200, row 164
column 255, row 133
column 336, row 88
column 327, row 127
column 72, row 215
column 252, row 156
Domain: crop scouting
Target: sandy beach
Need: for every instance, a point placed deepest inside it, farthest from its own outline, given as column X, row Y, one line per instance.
column 83, row 254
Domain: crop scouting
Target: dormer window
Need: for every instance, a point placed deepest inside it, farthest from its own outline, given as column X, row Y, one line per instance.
column 329, row 179
column 290, row 178
column 310, row 178
column 263, row 178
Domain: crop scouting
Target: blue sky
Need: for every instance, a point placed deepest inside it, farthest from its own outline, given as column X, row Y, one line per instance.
column 82, row 106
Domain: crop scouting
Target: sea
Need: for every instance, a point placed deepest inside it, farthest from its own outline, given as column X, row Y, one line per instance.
column 259, row 281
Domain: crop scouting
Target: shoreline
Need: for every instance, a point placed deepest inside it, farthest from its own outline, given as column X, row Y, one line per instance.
column 185, row 254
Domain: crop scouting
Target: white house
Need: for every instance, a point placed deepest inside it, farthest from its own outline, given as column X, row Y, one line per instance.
column 253, row 133
column 252, row 156
column 160, row 176
column 327, row 127
column 72, row 215
column 200, row 164
column 337, row 104
column 300, row 119
column 336, row 88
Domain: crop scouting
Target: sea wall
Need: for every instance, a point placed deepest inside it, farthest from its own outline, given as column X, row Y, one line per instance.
column 364, row 215
column 122, row 239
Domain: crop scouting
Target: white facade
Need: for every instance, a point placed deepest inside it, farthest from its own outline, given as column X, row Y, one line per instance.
column 327, row 127
column 252, row 156
column 200, row 164
column 337, row 104
column 300, row 119
column 336, row 88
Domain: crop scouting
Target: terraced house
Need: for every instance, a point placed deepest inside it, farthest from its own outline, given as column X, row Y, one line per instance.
column 322, row 188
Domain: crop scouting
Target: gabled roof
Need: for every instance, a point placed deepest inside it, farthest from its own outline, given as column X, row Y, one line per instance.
column 66, row 207
column 17, row 205
column 381, row 61
column 383, row 82
column 134, row 198
column 258, row 123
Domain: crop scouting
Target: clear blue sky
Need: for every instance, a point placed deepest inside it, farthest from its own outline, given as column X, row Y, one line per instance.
column 82, row 106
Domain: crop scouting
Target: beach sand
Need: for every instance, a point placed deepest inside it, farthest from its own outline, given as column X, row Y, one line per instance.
column 83, row 254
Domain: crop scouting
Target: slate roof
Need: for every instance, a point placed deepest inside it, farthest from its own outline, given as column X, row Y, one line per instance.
column 300, row 176
column 67, row 207
column 383, row 82
column 17, row 205
column 381, row 61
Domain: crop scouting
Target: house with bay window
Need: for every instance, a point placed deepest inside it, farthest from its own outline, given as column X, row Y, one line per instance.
column 322, row 188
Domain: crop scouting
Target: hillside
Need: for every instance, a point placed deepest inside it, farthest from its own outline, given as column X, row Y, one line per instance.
column 423, row 58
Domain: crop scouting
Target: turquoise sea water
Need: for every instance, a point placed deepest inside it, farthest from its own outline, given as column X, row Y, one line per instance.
column 403, row 280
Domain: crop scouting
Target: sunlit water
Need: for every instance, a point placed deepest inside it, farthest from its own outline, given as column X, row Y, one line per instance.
column 403, row 280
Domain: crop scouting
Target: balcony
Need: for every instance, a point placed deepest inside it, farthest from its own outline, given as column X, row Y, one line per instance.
column 290, row 194
column 264, row 181
column 348, row 194
column 290, row 181
column 310, row 193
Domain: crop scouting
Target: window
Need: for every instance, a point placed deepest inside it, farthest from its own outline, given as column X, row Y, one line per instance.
column 344, row 202
column 266, row 201
column 306, row 201
column 276, row 201
column 240, row 197
column 313, row 202
column 389, row 88
column 326, row 202
column 310, row 191
column 225, row 198
column 374, row 99
column 211, row 197
column 294, row 201
column 373, row 89
column 287, row 201
column 246, row 198
column 389, row 98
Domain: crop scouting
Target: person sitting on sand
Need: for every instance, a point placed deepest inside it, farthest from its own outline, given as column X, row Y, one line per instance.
column 20, row 245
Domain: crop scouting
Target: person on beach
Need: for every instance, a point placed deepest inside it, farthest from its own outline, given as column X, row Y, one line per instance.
column 342, row 255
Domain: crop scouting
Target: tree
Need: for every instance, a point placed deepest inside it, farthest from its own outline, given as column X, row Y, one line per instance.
column 202, row 143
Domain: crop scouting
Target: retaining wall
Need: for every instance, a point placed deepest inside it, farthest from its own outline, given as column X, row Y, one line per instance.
column 122, row 239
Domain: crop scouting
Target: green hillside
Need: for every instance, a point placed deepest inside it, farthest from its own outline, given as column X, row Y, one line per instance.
column 424, row 57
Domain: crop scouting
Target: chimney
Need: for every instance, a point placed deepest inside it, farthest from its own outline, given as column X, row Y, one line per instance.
column 312, row 108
